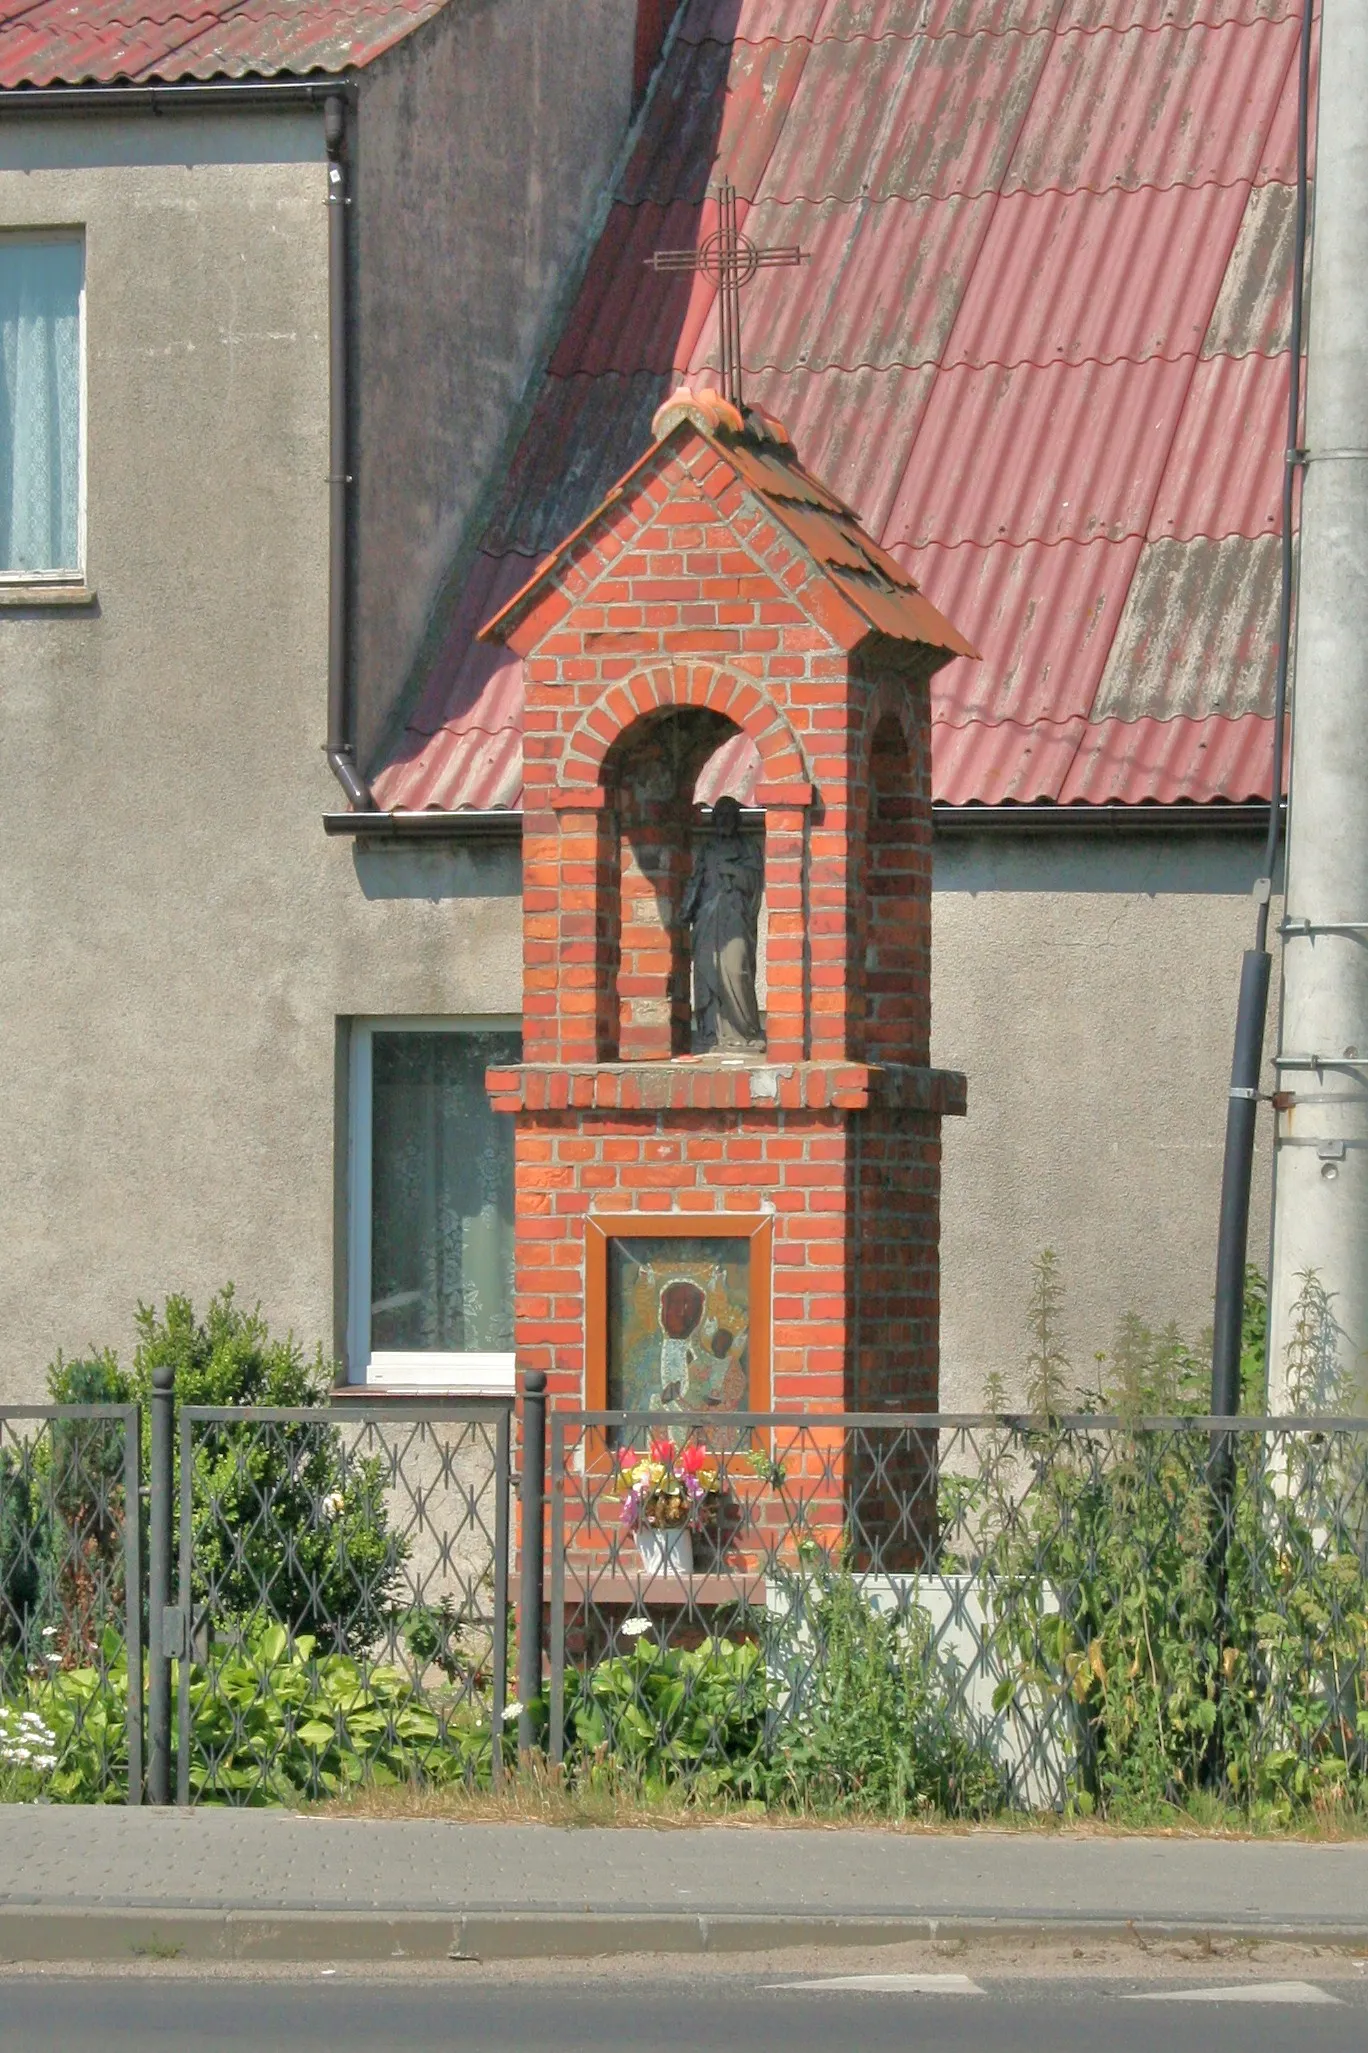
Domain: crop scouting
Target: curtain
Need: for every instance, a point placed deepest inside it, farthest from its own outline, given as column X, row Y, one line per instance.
column 40, row 404
column 441, row 1195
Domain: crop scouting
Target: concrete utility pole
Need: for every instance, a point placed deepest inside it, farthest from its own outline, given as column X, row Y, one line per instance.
column 1321, row 1160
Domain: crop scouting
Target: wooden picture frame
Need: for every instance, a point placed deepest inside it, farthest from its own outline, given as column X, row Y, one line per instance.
column 601, row 1228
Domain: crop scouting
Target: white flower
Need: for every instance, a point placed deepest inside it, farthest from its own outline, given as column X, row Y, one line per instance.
column 634, row 1627
column 49, row 1632
column 512, row 1711
column 334, row 1504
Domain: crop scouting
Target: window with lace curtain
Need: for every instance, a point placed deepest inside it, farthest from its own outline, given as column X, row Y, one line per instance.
column 41, row 293
column 431, row 1200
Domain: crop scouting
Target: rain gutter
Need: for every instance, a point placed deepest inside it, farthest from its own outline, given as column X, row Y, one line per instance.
column 505, row 825
column 332, row 95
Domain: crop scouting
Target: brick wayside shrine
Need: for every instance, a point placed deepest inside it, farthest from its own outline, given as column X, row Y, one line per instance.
column 727, row 1192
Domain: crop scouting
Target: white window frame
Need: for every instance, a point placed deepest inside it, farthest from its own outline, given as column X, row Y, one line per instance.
column 472, row 1375
column 68, row 575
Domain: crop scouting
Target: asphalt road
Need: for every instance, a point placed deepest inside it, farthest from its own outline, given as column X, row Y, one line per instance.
column 492, row 2015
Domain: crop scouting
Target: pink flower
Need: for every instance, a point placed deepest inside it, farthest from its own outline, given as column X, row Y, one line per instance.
column 663, row 1451
column 693, row 1459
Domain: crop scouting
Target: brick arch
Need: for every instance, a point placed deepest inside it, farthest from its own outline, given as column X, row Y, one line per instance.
column 684, row 685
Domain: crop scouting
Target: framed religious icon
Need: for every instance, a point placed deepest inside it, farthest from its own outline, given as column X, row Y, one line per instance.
column 677, row 1311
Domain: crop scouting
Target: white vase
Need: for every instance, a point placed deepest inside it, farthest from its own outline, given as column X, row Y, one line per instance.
column 665, row 1550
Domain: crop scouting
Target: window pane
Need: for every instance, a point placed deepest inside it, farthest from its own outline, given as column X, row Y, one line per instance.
column 441, row 1195
column 40, row 404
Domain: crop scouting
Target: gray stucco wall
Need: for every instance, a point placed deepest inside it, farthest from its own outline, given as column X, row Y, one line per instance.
column 1087, row 985
column 177, row 937
column 482, row 146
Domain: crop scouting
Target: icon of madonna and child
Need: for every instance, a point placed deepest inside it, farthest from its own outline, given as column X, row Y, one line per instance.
column 678, row 1324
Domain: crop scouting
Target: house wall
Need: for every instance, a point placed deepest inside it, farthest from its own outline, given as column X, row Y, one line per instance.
column 178, row 938
column 481, row 147
column 1087, row 985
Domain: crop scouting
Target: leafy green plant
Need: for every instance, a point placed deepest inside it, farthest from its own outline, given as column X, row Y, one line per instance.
column 19, row 1560
column 659, row 1717
column 1047, row 1365
column 283, row 1522
column 275, row 1720
column 872, row 1729
column 1200, row 1605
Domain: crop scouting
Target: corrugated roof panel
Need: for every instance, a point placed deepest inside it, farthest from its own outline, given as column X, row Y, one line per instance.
column 831, row 20
column 1166, row 762
column 1068, row 401
column 584, row 433
column 1018, row 455
column 716, row 107
column 882, row 283
column 1041, row 618
column 734, row 769
column 1174, row 14
column 853, row 428
column 898, row 118
column 469, row 689
column 1156, row 107
column 754, row 21
column 1199, row 632
column 1225, row 468
column 1248, row 315
column 1070, row 276
column 629, row 318
column 1001, row 762
column 77, row 42
column 935, row 17
column 458, row 772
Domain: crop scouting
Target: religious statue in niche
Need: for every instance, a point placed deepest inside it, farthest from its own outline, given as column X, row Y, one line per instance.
column 722, row 905
column 678, row 1323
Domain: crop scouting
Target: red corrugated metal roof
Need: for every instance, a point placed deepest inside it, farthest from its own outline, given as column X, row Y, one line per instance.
column 89, row 42
column 1040, row 344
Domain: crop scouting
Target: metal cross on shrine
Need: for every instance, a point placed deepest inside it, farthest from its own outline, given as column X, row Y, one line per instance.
column 730, row 260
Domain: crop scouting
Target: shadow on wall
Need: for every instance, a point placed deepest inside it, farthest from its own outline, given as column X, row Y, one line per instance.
column 438, row 873
column 1147, row 865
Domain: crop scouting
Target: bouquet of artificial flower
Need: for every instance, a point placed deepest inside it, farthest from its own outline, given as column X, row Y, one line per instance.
column 669, row 1489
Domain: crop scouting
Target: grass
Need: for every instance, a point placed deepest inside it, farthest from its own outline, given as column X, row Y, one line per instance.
column 537, row 1796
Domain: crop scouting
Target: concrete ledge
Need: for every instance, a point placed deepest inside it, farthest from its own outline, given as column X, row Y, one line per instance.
column 33, row 1932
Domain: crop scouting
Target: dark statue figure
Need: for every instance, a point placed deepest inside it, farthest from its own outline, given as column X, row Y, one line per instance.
column 722, row 905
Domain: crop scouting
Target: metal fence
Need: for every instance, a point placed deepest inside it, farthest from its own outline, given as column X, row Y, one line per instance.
column 971, row 1613
column 342, row 1602
column 71, row 1633
column 975, row 1612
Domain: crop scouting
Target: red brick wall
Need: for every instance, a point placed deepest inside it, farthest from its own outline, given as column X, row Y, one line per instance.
column 683, row 613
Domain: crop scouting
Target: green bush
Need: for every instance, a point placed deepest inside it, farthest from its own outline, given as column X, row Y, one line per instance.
column 661, row 1717
column 282, row 1524
column 873, row 1730
column 19, row 1556
column 276, row 1721
column 272, row 1721
column 1206, row 1617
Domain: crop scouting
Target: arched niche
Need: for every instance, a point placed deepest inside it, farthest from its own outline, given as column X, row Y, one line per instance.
column 649, row 777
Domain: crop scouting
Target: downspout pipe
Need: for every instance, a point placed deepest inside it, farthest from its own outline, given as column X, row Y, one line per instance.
column 340, row 747
column 1242, row 1104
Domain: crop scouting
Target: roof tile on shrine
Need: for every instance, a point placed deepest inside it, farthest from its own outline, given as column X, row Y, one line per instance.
column 1040, row 346
column 760, row 456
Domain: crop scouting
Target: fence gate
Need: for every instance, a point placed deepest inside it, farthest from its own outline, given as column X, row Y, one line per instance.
column 342, row 1597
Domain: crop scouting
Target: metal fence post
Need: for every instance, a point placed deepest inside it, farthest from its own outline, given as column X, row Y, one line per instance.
column 533, row 1501
column 159, row 1585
